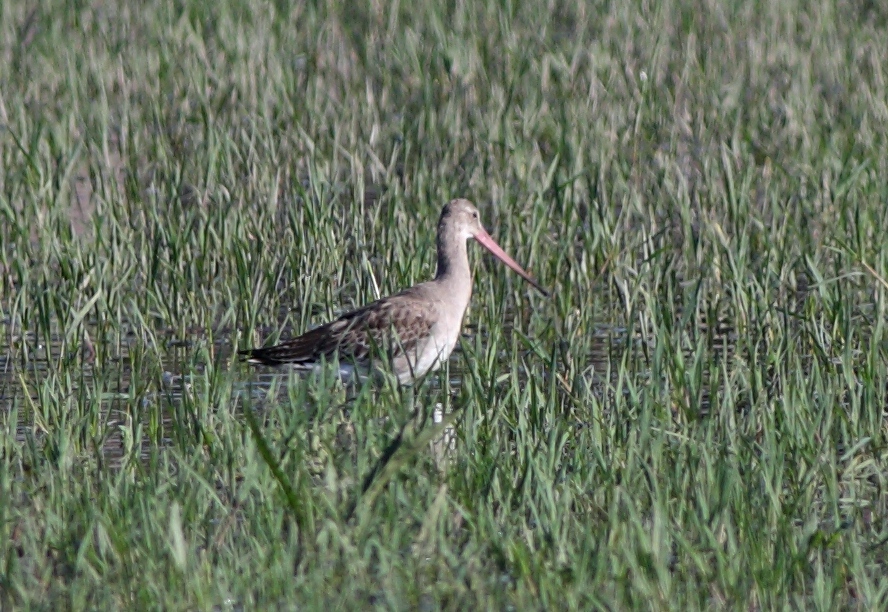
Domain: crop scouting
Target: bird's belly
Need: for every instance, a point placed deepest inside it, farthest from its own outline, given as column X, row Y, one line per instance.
column 430, row 356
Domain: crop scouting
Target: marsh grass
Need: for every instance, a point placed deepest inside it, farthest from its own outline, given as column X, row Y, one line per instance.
column 695, row 419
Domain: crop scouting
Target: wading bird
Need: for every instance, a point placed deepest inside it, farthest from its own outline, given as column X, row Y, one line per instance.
column 417, row 328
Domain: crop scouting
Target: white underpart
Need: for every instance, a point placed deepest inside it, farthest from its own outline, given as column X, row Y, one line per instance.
column 433, row 353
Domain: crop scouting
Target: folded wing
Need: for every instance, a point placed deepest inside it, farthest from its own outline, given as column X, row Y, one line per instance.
column 396, row 325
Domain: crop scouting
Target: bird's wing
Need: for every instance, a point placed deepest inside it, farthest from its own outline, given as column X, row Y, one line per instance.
column 393, row 325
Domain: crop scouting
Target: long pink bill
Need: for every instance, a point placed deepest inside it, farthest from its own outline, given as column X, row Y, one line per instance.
column 488, row 243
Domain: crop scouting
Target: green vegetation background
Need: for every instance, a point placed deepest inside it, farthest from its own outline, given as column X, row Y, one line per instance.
column 695, row 420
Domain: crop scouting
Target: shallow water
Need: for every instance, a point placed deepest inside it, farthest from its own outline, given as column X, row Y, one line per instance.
column 24, row 384
column 156, row 395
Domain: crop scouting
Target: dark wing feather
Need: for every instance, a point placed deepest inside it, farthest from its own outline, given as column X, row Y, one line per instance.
column 394, row 325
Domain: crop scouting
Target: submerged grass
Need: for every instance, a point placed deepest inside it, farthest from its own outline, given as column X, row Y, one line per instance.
column 695, row 419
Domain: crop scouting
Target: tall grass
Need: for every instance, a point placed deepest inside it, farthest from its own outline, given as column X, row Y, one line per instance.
column 695, row 419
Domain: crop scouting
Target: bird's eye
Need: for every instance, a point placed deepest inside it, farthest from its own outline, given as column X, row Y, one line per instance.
column 475, row 214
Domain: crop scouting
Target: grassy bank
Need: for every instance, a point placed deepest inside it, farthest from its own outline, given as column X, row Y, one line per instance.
column 695, row 419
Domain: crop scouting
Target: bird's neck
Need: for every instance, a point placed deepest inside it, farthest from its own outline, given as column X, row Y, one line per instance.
column 453, row 261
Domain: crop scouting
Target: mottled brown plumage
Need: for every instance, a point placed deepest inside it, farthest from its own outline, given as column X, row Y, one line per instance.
column 395, row 324
column 415, row 329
